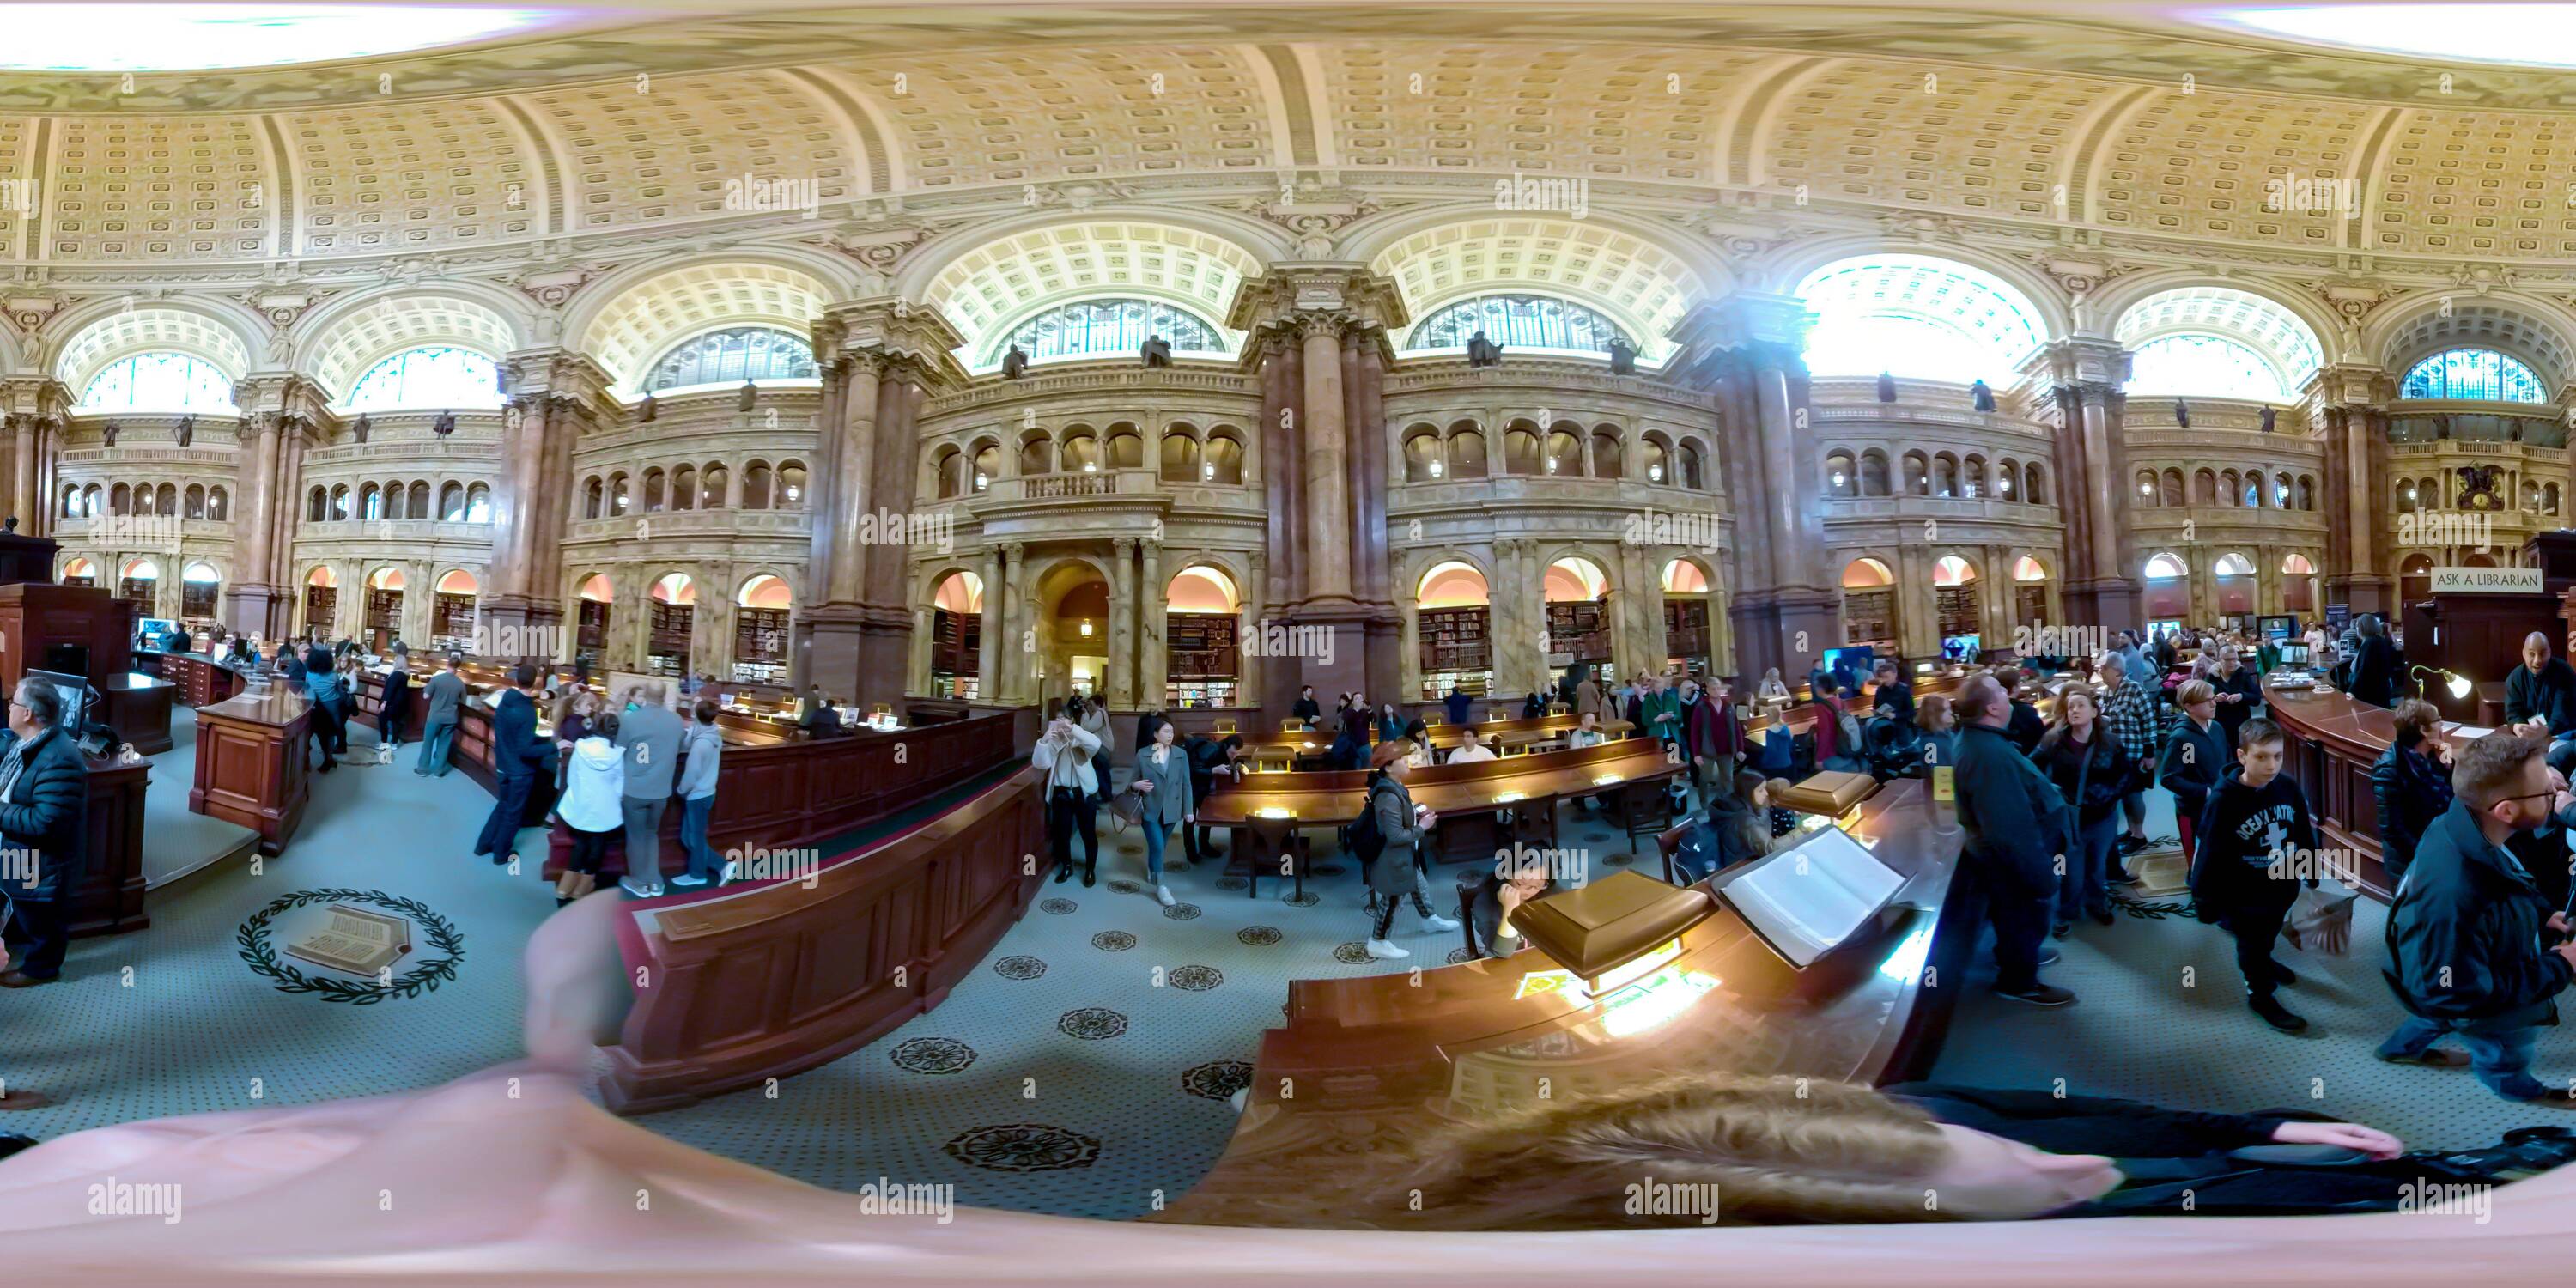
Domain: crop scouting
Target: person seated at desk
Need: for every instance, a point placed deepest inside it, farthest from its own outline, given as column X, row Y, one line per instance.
column 180, row 641
column 1799, row 1151
column 1501, row 895
column 1534, row 706
column 1457, row 704
column 1736, row 829
column 1472, row 750
column 1306, row 708
column 1350, row 749
column 822, row 719
column 2542, row 691
column 1390, row 723
column 1418, row 732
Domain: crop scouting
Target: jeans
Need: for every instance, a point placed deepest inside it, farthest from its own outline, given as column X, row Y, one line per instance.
column 435, row 742
column 2254, row 929
column 1157, row 835
column 703, row 862
column 389, row 731
column 2085, row 886
column 2020, row 919
column 644, row 837
column 501, row 830
column 43, row 928
column 1067, row 809
column 2500, row 1057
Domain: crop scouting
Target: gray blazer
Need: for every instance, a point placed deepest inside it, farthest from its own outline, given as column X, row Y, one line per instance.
column 1392, row 873
column 1169, row 802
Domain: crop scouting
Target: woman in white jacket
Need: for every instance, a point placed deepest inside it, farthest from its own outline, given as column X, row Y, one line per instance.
column 592, row 805
column 1063, row 757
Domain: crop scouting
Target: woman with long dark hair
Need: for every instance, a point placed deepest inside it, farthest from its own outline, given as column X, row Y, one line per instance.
column 2082, row 756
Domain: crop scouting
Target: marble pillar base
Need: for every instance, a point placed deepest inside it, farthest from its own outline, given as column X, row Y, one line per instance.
column 1383, row 637
column 836, row 649
column 2363, row 593
column 885, row 658
column 253, row 609
column 1327, row 647
column 1789, row 629
column 518, row 628
column 2109, row 602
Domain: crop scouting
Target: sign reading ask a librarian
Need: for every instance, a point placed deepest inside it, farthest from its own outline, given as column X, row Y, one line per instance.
column 2491, row 580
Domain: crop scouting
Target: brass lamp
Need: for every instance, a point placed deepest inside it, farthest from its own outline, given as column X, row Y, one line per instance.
column 2458, row 684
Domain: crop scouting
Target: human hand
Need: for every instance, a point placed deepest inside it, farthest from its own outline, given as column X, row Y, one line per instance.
column 2568, row 951
column 1509, row 897
column 2558, row 923
column 2369, row 1140
column 1428, row 818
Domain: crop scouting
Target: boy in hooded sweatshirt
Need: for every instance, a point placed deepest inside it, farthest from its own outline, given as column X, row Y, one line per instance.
column 2245, row 871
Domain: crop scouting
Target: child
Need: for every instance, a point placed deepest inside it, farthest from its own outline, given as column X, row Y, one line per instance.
column 2252, row 835
column 2195, row 756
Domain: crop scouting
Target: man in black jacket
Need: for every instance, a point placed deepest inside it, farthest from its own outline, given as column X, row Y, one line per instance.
column 2015, row 820
column 2541, row 691
column 44, row 822
column 1306, row 708
column 2469, row 935
column 1209, row 757
column 2024, row 728
column 2376, row 665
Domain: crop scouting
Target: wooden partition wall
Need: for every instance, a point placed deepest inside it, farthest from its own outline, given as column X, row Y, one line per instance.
column 755, row 983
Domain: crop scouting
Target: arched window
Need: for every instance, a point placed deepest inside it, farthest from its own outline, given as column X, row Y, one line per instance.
column 2034, row 485
column 1945, row 475
column 419, row 507
column 1081, row 452
column 653, row 495
column 194, row 507
column 2207, row 366
column 451, row 503
column 1659, row 459
column 1916, row 316
column 1972, row 479
column 1565, row 454
column 1467, row 452
column 712, row 482
column 987, row 466
column 1842, row 478
column 371, row 503
column 2160, row 567
column 732, row 356
column 1519, row 321
column 1607, row 460
column 1113, row 326
column 593, row 496
column 755, row 485
column 1690, row 465
column 1873, row 473
column 1037, row 455
column 89, row 501
column 430, row 376
column 1520, row 450
column 791, row 485
column 2146, row 487
column 314, row 507
column 159, row 382
column 1422, row 448
column 340, row 503
column 1126, row 448
column 2472, row 373
column 478, row 503
column 948, row 472
column 394, row 501
column 120, row 499
column 165, row 500
column 1918, row 474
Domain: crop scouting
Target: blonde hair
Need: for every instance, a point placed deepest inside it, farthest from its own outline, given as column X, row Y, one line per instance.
column 2193, row 691
column 1778, row 1150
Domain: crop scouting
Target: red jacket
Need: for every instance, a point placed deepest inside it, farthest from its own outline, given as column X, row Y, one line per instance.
column 1712, row 728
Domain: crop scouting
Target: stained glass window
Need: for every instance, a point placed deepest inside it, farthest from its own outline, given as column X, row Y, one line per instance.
column 1109, row 327
column 431, row 376
column 2206, row 365
column 159, row 382
column 1919, row 317
column 732, row 356
column 1519, row 321
column 2472, row 373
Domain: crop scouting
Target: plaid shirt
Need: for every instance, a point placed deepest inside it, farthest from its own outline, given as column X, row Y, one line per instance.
column 2131, row 715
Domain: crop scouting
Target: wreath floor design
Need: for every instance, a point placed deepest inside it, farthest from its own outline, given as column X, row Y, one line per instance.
column 426, row 974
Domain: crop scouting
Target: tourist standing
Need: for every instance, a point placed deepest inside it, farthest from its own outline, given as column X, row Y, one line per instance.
column 701, row 756
column 2009, row 811
column 649, row 733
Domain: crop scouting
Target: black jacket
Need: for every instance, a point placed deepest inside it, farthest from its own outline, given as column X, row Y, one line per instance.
column 2413, row 790
column 2024, row 728
column 2550, row 695
column 2087, row 1124
column 2468, row 935
column 2092, row 776
column 2014, row 817
column 49, row 814
column 2242, row 831
column 2244, row 684
column 2193, row 763
column 2374, row 671
column 1896, row 700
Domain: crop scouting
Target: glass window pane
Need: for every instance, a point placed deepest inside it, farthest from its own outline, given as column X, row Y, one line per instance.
column 1519, row 321
column 435, row 376
column 732, row 356
column 1117, row 326
column 159, row 382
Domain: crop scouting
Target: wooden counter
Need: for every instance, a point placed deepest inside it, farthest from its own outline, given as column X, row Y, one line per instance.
column 759, row 982
column 201, row 681
column 107, row 899
column 1364, row 1062
column 137, row 706
column 1511, row 734
column 2334, row 740
column 251, row 763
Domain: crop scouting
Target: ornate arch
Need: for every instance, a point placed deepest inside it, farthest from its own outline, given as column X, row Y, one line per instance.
column 95, row 334
column 2540, row 333
column 1779, row 271
column 342, row 339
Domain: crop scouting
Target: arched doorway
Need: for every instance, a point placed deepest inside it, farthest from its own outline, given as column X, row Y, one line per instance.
column 1578, row 615
column 1954, row 607
column 2477, row 560
column 675, row 618
column 2233, row 575
column 80, row 572
column 1869, row 606
column 2298, row 585
column 321, row 599
column 139, row 581
column 1686, row 617
column 957, row 637
column 451, row 612
column 2030, row 591
column 200, row 587
column 384, row 608
column 2415, row 579
column 590, row 617
column 1204, row 661
column 1454, row 627
column 1073, row 630
column 760, row 624
column 2166, row 600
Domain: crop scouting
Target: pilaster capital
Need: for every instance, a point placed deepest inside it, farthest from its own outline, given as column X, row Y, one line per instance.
column 2348, row 384
column 295, row 405
column 1124, row 547
column 554, row 379
column 1348, row 292
column 35, row 397
column 1717, row 336
column 896, row 335
column 2089, row 369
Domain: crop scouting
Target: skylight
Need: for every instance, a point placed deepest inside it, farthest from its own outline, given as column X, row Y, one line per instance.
column 197, row 37
column 2536, row 34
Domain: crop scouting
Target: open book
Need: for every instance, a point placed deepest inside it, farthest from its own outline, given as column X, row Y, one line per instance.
column 355, row 941
column 1806, row 899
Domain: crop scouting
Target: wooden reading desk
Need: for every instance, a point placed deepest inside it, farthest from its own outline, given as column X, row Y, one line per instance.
column 250, row 763
column 1362, row 1064
column 1512, row 735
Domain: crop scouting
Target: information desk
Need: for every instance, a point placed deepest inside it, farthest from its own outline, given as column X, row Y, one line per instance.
column 107, row 899
column 2334, row 741
column 1364, row 1063
column 251, row 763
column 137, row 707
column 1266, row 810
column 1511, row 734
column 762, row 981
column 201, row 680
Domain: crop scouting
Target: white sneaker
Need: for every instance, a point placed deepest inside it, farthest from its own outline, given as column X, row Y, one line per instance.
column 688, row 882
column 1385, row 951
column 1438, row 923
column 637, row 888
column 726, row 877
column 1163, row 896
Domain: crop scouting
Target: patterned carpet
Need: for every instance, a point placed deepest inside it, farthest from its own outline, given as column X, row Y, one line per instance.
column 1085, row 1068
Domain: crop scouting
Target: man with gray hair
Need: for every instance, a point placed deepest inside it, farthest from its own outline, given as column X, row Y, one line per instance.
column 44, row 822
column 648, row 731
column 2016, row 822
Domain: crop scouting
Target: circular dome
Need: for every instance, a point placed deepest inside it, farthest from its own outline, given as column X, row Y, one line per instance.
column 197, row 37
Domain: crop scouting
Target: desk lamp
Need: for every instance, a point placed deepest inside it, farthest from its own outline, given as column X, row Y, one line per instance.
column 2458, row 683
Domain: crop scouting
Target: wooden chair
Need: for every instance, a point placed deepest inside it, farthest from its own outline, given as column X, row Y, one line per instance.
column 1224, row 725
column 1434, row 719
column 1669, row 843
column 1468, row 883
column 1641, row 809
column 1292, row 724
column 1558, row 708
column 1273, row 763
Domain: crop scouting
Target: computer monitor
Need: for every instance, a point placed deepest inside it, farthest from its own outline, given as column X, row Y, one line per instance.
column 75, row 694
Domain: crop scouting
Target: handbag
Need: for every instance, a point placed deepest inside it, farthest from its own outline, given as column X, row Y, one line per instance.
column 2321, row 918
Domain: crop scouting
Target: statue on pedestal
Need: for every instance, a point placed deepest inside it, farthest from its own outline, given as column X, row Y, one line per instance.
column 2182, row 413
column 1156, row 351
column 187, row 430
column 1887, row 387
column 1015, row 363
column 444, row 425
column 364, row 427
column 2271, row 419
column 107, row 433
column 1482, row 352
column 1979, row 396
column 747, row 397
column 646, row 410
column 1623, row 358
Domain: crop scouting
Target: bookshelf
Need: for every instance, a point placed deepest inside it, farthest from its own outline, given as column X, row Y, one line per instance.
column 321, row 604
column 956, row 643
column 667, row 650
column 1202, row 659
column 1456, row 647
column 197, row 600
column 451, row 617
column 1955, row 608
column 1686, row 629
column 1579, row 631
column 592, row 627
column 1869, row 617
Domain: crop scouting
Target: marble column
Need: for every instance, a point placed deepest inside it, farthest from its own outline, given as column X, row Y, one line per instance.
column 1328, row 501
column 1409, row 648
column 989, row 628
column 24, row 500
column 1016, row 647
column 1126, row 608
column 850, row 489
column 248, row 599
column 1154, row 655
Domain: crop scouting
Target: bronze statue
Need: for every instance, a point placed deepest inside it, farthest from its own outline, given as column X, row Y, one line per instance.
column 107, row 433
column 1015, row 363
column 2182, row 413
column 1887, row 387
column 1482, row 352
column 364, row 427
column 1981, row 397
column 747, row 397
column 444, row 425
column 1623, row 358
column 187, row 430
column 646, row 410
column 2270, row 419
column 1156, row 351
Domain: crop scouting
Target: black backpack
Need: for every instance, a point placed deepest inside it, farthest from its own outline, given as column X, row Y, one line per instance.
column 1364, row 839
